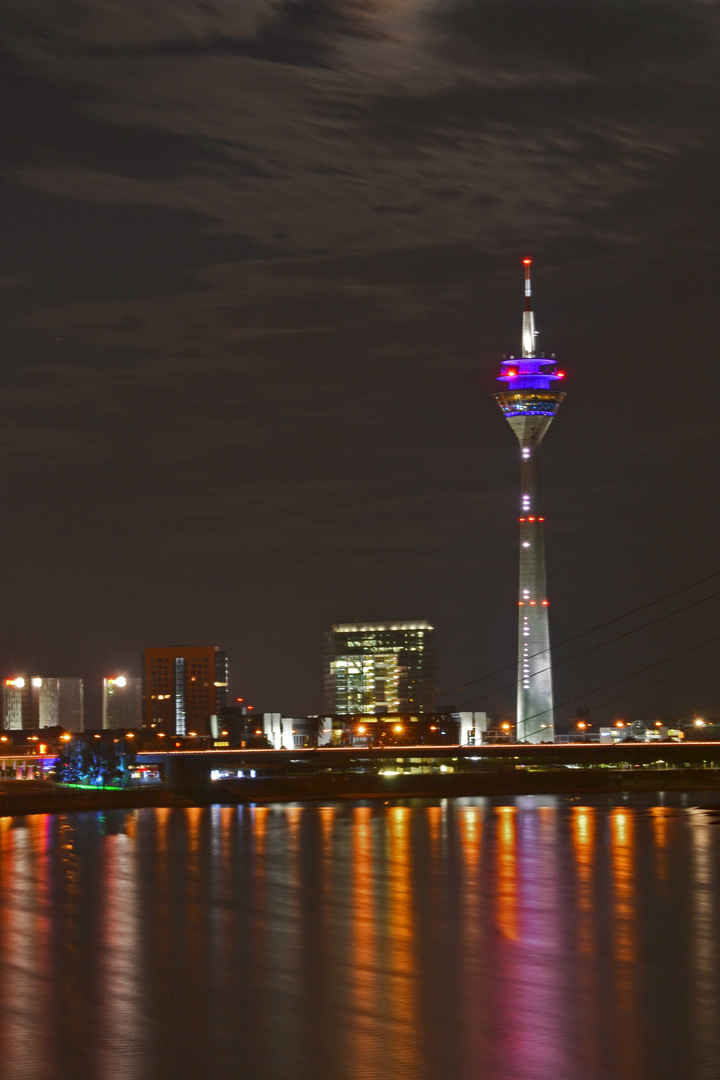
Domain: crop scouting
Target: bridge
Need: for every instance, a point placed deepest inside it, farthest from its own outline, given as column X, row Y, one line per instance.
column 201, row 770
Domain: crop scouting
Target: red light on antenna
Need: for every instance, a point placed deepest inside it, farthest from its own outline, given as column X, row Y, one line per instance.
column 545, row 603
column 527, row 262
column 560, row 374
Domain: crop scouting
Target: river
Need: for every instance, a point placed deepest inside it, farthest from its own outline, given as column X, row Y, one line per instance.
column 543, row 939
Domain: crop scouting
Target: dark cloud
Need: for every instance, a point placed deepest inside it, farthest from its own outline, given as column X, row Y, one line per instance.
column 259, row 263
column 64, row 248
column 601, row 38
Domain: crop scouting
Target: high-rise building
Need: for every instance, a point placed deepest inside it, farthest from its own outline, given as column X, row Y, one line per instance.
column 183, row 687
column 37, row 702
column 15, row 692
column 71, row 704
column 529, row 404
column 382, row 667
column 122, row 702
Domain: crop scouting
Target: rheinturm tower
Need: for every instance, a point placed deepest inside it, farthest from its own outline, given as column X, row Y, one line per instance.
column 529, row 404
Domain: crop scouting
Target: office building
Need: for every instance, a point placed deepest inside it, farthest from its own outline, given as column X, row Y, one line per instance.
column 381, row 667
column 122, row 702
column 71, row 704
column 529, row 404
column 183, row 687
column 30, row 702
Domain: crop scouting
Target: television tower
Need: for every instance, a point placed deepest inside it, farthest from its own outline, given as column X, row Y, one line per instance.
column 529, row 404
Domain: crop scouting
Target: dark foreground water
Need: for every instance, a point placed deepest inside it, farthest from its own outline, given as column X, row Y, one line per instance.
column 544, row 940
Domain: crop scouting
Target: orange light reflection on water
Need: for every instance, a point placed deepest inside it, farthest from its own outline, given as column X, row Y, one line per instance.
column 365, row 989
column 402, row 956
column 627, row 1015
column 507, row 893
column 659, row 819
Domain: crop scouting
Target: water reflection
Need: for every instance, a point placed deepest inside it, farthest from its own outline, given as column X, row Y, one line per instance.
column 705, row 1012
column 405, row 1029
column 507, row 909
column 121, row 1045
column 350, row 942
column 24, row 943
column 364, row 930
column 628, row 1016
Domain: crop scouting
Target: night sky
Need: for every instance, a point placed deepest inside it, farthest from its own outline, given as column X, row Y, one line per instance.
column 260, row 263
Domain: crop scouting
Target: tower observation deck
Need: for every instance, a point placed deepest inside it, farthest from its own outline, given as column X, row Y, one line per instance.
column 529, row 403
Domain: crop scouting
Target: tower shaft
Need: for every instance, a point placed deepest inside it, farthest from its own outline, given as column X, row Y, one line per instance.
column 534, row 687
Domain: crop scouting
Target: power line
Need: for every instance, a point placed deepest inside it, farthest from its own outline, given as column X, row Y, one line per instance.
column 626, row 693
column 584, row 652
column 591, row 630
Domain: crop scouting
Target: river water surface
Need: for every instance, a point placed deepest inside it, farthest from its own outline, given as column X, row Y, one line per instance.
column 546, row 939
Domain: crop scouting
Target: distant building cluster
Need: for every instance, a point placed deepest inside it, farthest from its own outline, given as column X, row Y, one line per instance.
column 380, row 687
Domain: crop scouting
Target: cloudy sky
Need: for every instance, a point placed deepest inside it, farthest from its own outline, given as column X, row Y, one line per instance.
column 260, row 262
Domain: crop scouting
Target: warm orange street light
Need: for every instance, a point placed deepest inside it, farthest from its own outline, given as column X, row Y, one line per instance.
column 619, row 723
column 361, row 730
column 505, row 727
column 398, row 728
column 582, row 724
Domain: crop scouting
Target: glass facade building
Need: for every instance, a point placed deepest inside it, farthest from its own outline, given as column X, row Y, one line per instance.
column 380, row 668
column 122, row 702
column 30, row 702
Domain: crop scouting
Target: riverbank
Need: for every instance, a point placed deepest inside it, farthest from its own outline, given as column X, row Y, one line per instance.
column 21, row 797
column 41, row 797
